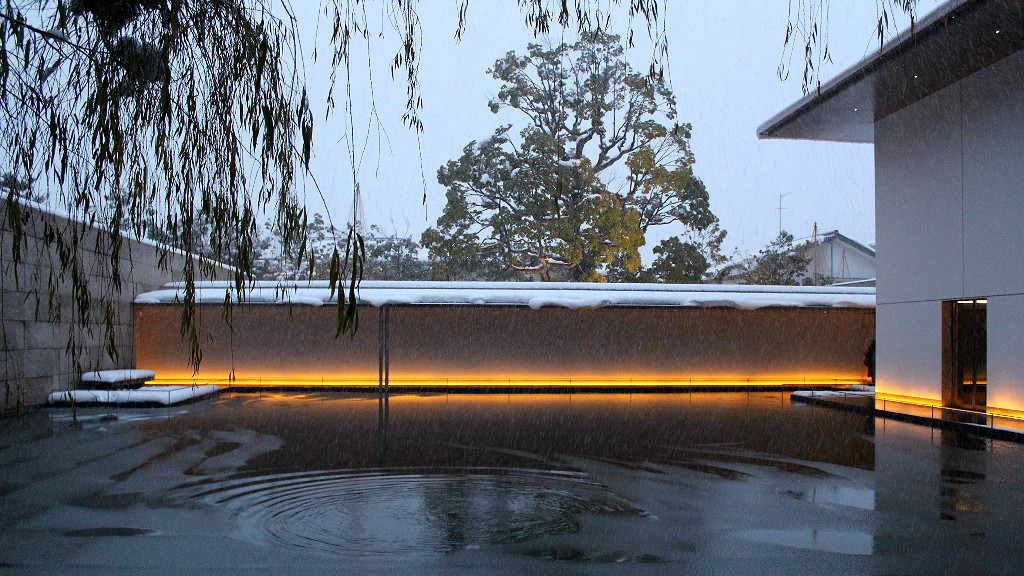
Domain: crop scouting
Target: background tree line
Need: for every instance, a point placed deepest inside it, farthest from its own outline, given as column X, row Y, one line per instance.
column 396, row 257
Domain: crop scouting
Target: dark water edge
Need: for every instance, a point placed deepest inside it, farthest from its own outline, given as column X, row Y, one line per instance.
column 705, row 483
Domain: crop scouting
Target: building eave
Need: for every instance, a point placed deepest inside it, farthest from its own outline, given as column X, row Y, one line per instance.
column 953, row 42
column 835, row 235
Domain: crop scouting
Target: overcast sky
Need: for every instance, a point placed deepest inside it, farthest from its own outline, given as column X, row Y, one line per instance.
column 722, row 63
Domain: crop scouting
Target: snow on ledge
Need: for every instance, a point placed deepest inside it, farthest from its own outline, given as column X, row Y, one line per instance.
column 848, row 392
column 532, row 294
column 115, row 376
column 163, row 395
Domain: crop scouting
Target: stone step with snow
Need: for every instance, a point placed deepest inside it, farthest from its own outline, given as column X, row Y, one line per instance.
column 116, row 379
column 147, row 395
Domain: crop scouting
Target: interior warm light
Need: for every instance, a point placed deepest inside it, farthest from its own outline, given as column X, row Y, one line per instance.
column 982, row 301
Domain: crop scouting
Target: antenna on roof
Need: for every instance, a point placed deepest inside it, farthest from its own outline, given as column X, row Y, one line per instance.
column 781, row 209
column 817, row 252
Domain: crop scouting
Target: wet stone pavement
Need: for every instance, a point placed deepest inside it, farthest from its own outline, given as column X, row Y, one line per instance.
column 713, row 483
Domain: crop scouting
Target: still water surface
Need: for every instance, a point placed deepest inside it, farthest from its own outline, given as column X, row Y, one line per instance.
column 719, row 483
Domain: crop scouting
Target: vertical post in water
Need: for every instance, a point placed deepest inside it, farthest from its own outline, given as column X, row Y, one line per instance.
column 387, row 345
column 383, row 417
column 380, row 349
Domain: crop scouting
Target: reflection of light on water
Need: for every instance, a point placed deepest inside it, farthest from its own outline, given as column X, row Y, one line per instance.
column 96, row 419
column 863, row 498
column 413, row 515
column 841, row 541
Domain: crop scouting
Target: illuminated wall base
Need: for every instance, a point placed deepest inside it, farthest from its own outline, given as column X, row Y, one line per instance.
column 934, row 406
column 505, row 346
column 455, row 384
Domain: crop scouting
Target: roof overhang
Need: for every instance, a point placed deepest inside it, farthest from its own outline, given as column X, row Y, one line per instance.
column 837, row 235
column 953, row 42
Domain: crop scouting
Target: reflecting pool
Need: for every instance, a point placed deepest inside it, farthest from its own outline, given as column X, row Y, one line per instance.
column 711, row 483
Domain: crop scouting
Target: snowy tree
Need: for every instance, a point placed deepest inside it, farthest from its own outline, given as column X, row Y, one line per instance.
column 677, row 261
column 11, row 185
column 778, row 263
column 547, row 202
column 392, row 257
column 459, row 257
column 306, row 258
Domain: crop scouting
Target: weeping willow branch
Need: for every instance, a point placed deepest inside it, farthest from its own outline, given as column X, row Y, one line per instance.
column 808, row 32
column 186, row 121
column 181, row 120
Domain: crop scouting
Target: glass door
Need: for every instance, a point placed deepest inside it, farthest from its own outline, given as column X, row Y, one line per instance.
column 969, row 350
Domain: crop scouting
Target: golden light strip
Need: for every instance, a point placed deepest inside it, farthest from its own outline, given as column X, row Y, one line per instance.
column 929, row 403
column 513, row 382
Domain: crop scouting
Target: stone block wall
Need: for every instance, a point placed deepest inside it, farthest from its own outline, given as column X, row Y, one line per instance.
column 39, row 308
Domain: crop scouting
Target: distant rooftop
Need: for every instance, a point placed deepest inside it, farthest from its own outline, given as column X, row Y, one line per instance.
column 837, row 236
column 956, row 40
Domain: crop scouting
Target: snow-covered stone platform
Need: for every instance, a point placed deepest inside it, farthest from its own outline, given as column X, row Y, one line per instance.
column 117, row 379
column 145, row 396
column 853, row 391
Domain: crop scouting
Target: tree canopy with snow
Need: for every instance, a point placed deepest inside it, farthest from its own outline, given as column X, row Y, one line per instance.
column 388, row 256
column 779, row 263
column 600, row 160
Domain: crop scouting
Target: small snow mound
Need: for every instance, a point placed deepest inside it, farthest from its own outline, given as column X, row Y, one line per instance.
column 566, row 302
column 300, row 299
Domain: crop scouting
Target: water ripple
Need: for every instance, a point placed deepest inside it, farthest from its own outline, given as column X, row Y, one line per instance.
column 412, row 514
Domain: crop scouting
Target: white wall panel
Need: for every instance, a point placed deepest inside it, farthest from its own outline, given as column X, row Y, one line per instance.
column 918, row 181
column 1005, row 316
column 993, row 148
column 908, row 357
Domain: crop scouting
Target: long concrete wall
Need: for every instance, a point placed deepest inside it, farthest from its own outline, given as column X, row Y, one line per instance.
column 34, row 359
column 517, row 345
column 950, row 225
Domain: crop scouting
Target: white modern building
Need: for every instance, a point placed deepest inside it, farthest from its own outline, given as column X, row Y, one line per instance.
column 944, row 108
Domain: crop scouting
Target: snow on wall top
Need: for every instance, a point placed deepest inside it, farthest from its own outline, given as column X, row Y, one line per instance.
column 532, row 294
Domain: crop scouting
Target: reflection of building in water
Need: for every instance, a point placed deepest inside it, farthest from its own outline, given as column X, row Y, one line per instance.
column 947, row 477
column 534, row 430
column 942, row 105
column 962, row 464
column 469, row 470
